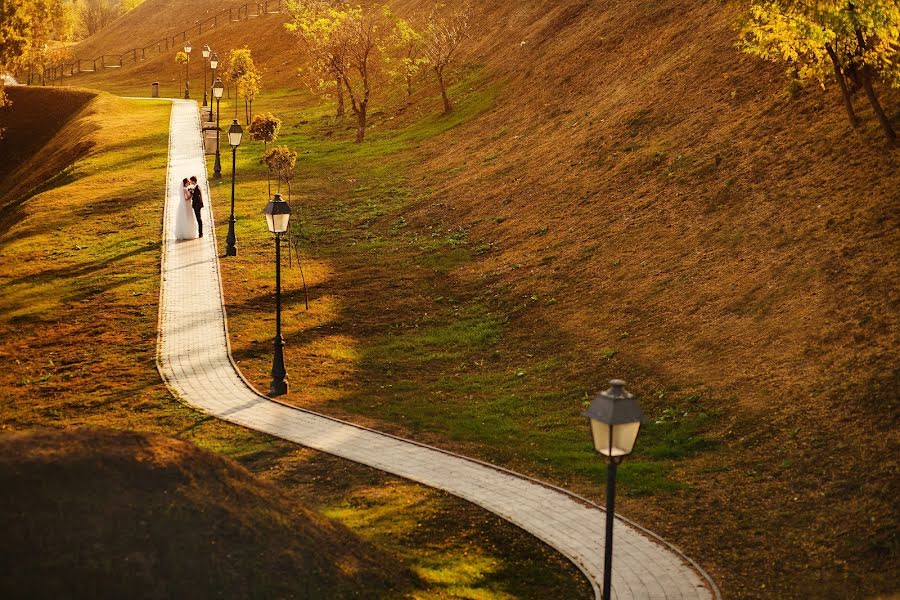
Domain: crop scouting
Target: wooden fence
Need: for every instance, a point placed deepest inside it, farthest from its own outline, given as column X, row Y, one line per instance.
column 136, row 55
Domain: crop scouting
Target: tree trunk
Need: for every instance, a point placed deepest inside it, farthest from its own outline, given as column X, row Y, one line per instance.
column 408, row 87
column 268, row 170
column 876, row 106
column 361, row 125
column 448, row 108
column 842, row 83
column 340, row 96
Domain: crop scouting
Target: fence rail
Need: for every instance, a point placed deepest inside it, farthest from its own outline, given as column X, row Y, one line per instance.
column 135, row 55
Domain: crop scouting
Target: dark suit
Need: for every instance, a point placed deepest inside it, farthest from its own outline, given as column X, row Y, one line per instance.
column 197, row 204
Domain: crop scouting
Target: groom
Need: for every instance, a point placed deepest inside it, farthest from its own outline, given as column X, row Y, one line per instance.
column 197, row 203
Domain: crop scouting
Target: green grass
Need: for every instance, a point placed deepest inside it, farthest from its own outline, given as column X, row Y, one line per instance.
column 404, row 341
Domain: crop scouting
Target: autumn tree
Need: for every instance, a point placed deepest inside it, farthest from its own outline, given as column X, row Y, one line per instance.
column 249, row 86
column 265, row 128
column 240, row 63
column 855, row 43
column 47, row 22
column 94, row 15
column 445, row 30
column 12, row 40
column 358, row 37
column 409, row 45
column 324, row 48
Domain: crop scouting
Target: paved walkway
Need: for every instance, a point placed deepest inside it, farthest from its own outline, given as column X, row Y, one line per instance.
column 195, row 361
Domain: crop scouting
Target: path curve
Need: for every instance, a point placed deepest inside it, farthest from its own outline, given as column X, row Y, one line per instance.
column 194, row 358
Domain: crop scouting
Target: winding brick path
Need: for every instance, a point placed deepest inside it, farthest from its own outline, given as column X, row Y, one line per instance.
column 195, row 360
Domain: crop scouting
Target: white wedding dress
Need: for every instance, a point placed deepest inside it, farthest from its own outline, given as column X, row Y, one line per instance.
column 185, row 221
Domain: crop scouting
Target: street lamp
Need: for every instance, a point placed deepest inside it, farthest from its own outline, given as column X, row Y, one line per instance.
column 205, row 53
column 235, row 133
column 187, row 70
column 616, row 419
column 278, row 215
column 217, row 90
column 213, row 64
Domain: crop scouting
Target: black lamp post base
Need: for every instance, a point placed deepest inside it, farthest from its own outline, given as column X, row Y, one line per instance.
column 187, row 95
column 230, row 251
column 278, row 388
column 204, row 98
column 217, row 170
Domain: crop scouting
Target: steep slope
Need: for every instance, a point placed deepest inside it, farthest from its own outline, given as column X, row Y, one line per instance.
column 27, row 165
column 103, row 513
column 652, row 201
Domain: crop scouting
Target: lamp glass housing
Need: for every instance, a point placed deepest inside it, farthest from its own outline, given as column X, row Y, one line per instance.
column 278, row 223
column 187, row 47
column 205, row 50
column 218, row 89
column 614, row 440
column 235, row 133
column 214, row 61
column 278, row 214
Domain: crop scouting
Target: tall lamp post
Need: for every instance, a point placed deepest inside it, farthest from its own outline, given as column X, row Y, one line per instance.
column 235, row 132
column 205, row 53
column 217, row 90
column 278, row 215
column 616, row 419
column 213, row 64
column 187, row 70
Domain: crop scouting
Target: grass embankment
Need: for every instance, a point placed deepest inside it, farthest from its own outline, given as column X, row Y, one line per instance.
column 77, row 347
column 407, row 331
column 176, row 520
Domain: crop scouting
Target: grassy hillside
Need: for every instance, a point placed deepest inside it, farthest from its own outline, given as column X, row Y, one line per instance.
column 26, row 131
column 109, row 513
column 79, row 270
column 621, row 192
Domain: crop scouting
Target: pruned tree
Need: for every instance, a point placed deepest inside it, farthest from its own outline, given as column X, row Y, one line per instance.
column 249, row 86
column 358, row 38
column 444, row 32
column 409, row 44
column 265, row 128
column 281, row 161
column 855, row 43
column 240, row 62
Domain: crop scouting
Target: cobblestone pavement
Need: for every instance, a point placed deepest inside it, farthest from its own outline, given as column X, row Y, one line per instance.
column 195, row 361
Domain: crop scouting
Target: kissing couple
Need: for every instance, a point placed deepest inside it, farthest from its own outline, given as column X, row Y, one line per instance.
column 185, row 228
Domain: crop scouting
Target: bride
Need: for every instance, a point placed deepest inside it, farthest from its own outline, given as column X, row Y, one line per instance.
column 185, row 222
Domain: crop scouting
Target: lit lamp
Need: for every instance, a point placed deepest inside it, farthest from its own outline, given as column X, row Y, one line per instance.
column 616, row 419
column 205, row 53
column 217, row 90
column 278, row 216
column 213, row 64
column 187, row 71
column 235, row 133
